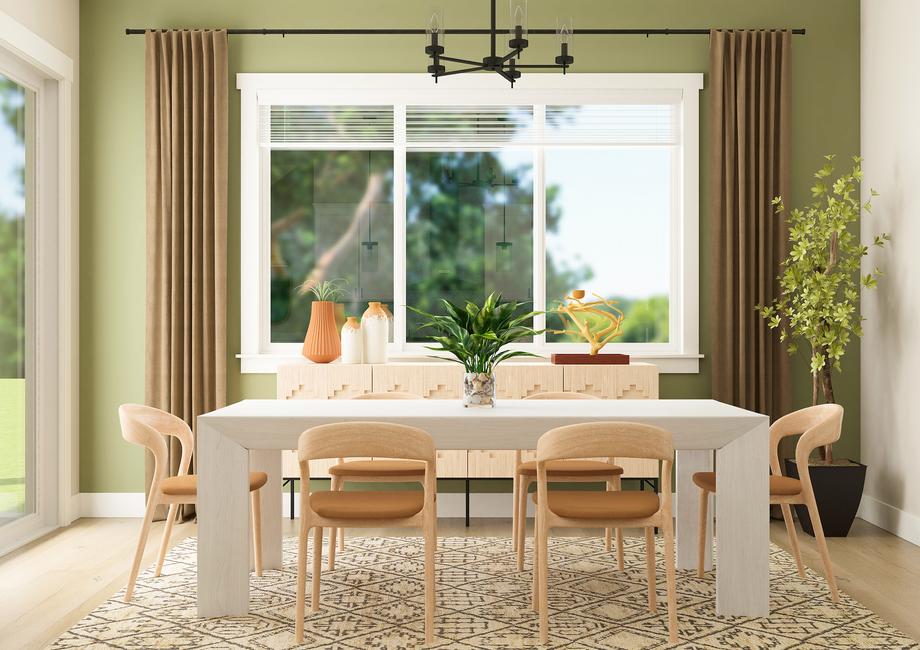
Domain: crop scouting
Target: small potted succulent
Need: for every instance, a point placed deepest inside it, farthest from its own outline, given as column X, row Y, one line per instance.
column 477, row 337
column 818, row 306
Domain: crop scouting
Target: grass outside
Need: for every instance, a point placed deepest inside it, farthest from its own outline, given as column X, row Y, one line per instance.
column 12, row 447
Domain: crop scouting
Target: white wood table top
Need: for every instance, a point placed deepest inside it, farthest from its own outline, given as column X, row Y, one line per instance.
column 512, row 424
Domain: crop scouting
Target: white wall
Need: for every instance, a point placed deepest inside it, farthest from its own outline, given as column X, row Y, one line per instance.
column 56, row 21
column 890, row 364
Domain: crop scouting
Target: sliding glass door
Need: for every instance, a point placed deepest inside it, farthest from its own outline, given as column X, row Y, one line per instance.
column 17, row 182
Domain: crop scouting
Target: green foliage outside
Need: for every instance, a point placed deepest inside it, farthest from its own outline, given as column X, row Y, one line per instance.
column 12, row 447
column 819, row 301
column 12, row 308
column 452, row 218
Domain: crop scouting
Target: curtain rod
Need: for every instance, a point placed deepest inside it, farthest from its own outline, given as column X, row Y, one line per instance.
column 391, row 32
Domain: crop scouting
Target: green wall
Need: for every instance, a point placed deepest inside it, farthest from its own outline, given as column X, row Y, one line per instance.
column 825, row 120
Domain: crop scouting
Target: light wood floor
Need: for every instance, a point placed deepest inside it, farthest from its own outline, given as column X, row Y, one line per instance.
column 52, row 583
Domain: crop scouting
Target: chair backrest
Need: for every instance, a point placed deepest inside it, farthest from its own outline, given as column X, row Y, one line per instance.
column 377, row 439
column 611, row 439
column 559, row 394
column 396, row 394
column 592, row 439
column 819, row 425
column 147, row 426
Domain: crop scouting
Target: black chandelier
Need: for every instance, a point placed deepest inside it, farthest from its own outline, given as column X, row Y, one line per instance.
column 507, row 66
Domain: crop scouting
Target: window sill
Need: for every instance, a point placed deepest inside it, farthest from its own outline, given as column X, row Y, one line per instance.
column 683, row 364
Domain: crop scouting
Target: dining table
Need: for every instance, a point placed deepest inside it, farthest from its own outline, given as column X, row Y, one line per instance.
column 249, row 436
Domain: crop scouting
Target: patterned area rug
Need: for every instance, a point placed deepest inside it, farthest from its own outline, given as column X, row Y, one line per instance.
column 374, row 599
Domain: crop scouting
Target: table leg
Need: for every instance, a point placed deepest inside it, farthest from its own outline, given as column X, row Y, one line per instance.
column 743, row 513
column 688, row 462
column 269, row 461
column 223, row 524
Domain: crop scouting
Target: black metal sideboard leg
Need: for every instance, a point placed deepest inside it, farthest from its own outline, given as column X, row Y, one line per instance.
column 292, row 499
column 467, row 502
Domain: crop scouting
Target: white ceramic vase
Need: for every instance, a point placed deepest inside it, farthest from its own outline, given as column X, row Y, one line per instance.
column 352, row 341
column 376, row 328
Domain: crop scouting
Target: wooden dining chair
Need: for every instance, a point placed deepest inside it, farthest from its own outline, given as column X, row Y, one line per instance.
column 148, row 427
column 610, row 509
column 364, row 508
column 570, row 471
column 375, row 470
column 819, row 425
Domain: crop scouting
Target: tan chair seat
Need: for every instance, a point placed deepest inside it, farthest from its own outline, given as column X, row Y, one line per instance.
column 630, row 504
column 388, row 468
column 187, row 486
column 569, row 467
column 367, row 504
column 780, row 486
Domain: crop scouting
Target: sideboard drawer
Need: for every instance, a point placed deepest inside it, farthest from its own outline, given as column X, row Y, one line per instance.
column 486, row 463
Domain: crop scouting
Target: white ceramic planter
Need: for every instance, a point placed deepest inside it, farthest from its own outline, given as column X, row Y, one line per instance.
column 352, row 341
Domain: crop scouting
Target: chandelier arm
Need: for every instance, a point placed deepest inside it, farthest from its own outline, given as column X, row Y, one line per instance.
column 510, row 55
column 453, row 59
column 507, row 77
column 541, row 66
column 461, row 71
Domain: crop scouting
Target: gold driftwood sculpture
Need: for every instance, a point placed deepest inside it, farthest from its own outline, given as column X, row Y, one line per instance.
column 606, row 329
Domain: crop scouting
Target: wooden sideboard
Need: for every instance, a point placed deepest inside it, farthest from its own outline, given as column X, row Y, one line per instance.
column 433, row 380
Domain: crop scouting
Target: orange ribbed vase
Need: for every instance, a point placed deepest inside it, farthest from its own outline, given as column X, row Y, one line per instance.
column 322, row 343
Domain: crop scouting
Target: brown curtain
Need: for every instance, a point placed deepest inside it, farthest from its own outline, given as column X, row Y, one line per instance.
column 749, row 163
column 186, row 142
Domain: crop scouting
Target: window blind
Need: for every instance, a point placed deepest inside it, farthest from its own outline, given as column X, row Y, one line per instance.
column 469, row 124
column 613, row 124
column 325, row 124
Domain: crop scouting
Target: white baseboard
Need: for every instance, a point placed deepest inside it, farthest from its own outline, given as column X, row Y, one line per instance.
column 896, row 521
column 112, row 504
column 131, row 504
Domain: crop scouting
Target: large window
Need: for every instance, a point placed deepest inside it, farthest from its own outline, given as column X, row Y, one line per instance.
column 409, row 193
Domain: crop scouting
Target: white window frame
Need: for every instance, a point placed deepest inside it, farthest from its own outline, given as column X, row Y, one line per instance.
column 259, row 355
column 52, row 290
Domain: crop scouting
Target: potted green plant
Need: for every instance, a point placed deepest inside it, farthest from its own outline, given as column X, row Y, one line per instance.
column 476, row 337
column 818, row 308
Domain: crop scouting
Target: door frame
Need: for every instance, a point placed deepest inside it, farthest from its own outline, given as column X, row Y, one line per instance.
column 52, row 279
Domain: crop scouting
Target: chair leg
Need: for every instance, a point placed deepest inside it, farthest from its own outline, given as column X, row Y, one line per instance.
column 822, row 548
column 650, row 569
column 618, row 485
column 514, row 511
column 431, row 544
column 301, row 579
column 701, row 541
column 535, row 566
column 338, row 533
column 256, row 498
column 668, row 530
column 793, row 537
column 141, row 545
column 543, row 595
column 330, row 562
column 607, row 531
column 523, row 486
column 317, row 566
column 164, row 543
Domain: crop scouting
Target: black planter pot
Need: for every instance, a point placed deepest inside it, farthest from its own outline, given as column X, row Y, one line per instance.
column 838, row 490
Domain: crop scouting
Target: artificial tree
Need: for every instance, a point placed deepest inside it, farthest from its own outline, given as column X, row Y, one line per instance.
column 819, row 297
